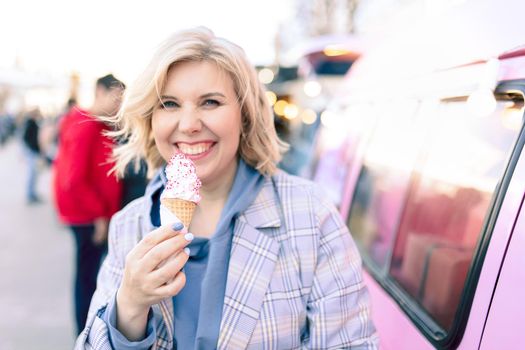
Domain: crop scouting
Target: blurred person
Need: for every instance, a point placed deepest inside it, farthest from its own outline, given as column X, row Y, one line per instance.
column 30, row 131
column 48, row 137
column 86, row 195
column 7, row 127
column 266, row 261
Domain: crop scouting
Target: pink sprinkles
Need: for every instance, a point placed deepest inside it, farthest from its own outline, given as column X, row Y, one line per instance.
column 185, row 171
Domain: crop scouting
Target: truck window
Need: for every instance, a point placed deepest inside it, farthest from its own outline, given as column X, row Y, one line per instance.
column 379, row 194
column 449, row 196
column 424, row 192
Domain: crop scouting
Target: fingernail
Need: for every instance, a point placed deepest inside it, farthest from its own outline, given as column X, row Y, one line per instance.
column 188, row 236
column 187, row 251
column 177, row 226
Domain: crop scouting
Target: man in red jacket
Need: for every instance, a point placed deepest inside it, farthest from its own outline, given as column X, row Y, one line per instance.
column 86, row 196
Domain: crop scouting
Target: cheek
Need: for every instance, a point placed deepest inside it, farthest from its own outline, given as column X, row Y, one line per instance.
column 233, row 126
column 230, row 132
column 154, row 126
column 238, row 131
column 161, row 132
column 159, row 125
column 234, row 139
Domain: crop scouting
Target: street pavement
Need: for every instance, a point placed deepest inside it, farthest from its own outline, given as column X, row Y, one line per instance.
column 36, row 263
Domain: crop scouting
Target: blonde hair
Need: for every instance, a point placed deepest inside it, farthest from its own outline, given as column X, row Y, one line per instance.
column 259, row 144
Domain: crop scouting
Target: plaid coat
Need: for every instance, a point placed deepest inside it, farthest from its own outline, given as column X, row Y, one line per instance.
column 294, row 279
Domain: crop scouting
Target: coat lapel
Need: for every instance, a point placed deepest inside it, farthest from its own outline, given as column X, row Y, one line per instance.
column 254, row 253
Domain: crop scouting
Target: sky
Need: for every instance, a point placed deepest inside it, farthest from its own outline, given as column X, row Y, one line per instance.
column 99, row 36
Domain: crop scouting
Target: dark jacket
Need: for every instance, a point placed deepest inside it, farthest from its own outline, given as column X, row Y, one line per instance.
column 30, row 135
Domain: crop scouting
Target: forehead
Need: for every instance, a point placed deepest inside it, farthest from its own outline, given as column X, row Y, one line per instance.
column 198, row 76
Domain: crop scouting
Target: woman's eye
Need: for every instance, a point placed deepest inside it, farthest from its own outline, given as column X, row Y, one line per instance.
column 211, row 103
column 168, row 104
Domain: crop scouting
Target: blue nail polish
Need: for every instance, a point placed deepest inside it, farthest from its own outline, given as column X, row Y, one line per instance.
column 187, row 251
column 177, row 226
column 188, row 236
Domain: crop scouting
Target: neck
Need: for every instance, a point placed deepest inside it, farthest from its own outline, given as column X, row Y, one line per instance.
column 94, row 110
column 97, row 110
column 214, row 196
column 217, row 191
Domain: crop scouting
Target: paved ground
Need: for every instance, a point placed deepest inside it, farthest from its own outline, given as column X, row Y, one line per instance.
column 36, row 263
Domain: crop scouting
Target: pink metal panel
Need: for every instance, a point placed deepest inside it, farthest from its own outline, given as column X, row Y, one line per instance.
column 513, row 68
column 507, row 313
column 396, row 330
column 493, row 258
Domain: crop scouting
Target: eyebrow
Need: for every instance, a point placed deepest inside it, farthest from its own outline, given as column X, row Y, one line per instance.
column 209, row 94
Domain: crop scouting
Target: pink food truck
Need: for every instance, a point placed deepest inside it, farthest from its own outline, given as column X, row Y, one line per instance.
column 429, row 169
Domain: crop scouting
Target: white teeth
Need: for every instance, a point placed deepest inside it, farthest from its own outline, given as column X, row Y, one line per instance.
column 194, row 149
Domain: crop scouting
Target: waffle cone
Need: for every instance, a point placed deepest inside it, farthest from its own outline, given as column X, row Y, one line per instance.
column 183, row 209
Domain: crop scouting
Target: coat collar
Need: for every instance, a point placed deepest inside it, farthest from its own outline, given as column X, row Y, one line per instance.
column 252, row 263
column 265, row 211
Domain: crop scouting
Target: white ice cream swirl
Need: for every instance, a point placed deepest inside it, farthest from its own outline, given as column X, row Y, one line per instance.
column 183, row 182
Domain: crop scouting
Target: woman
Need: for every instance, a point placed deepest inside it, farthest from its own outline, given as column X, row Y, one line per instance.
column 268, row 263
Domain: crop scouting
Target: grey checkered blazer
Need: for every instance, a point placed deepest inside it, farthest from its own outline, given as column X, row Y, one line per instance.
column 294, row 279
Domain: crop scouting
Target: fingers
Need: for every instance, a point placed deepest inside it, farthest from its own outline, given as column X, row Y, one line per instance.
column 154, row 238
column 169, row 270
column 173, row 287
column 153, row 267
column 162, row 251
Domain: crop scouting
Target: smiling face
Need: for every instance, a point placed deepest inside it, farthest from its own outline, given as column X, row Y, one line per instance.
column 199, row 115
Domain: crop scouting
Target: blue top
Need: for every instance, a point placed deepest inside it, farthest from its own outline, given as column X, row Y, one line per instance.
column 186, row 304
column 198, row 306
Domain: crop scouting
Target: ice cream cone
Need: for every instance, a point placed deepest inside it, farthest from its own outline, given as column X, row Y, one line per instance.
column 183, row 209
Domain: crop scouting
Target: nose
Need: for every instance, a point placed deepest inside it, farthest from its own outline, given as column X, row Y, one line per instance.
column 190, row 121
